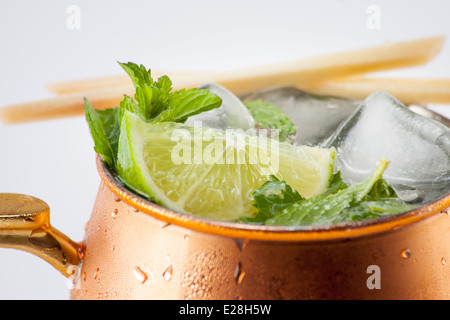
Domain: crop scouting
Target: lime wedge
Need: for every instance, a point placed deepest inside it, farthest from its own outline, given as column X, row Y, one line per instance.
column 213, row 173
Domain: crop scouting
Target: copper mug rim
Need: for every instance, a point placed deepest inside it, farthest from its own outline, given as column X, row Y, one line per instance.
column 274, row 233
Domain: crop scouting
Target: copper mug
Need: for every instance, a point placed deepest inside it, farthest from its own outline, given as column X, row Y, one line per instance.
column 135, row 249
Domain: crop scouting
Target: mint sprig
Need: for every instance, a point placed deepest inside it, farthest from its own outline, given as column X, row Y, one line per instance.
column 278, row 204
column 269, row 116
column 105, row 129
column 187, row 103
column 153, row 101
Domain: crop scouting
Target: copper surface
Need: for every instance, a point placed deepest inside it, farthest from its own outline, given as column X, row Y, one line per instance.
column 135, row 249
column 138, row 250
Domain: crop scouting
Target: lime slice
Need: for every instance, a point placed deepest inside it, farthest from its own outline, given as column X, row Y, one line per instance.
column 213, row 173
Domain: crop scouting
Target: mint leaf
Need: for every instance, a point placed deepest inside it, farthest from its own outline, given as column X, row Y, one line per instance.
column 154, row 102
column 186, row 103
column 271, row 198
column 277, row 204
column 269, row 116
column 127, row 104
column 326, row 209
column 274, row 196
column 152, row 96
column 150, row 102
column 104, row 128
column 139, row 75
column 374, row 209
column 380, row 190
column 336, row 184
column 164, row 84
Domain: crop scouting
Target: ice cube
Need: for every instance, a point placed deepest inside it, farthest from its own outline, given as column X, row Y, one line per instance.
column 316, row 117
column 232, row 114
column 418, row 148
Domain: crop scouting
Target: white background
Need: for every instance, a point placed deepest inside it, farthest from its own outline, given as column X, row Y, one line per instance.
column 54, row 160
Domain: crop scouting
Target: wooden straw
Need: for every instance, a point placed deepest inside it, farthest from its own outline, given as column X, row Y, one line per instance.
column 409, row 91
column 334, row 66
column 69, row 105
column 84, row 85
column 304, row 71
column 300, row 72
column 62, row 106
column 122, row 80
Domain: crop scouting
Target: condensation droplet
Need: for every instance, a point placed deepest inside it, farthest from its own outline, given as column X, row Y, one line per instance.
column 186, row 237
column 140, row 275
column 114, row 213
column 167, row 274
column 406, row 253
column 96, row 275
column 241, row 243
column 443, row 261
column 116, row 198
column 84, row 276
column 239, row 297
column 80, row 251
column 166, row 225
column 239, row 274
column 135, row 210
column 113, row 248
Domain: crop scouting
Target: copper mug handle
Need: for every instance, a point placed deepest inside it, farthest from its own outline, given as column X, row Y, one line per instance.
column 25, row 225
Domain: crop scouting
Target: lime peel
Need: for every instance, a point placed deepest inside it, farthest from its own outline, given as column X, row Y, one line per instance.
column 217, row 189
